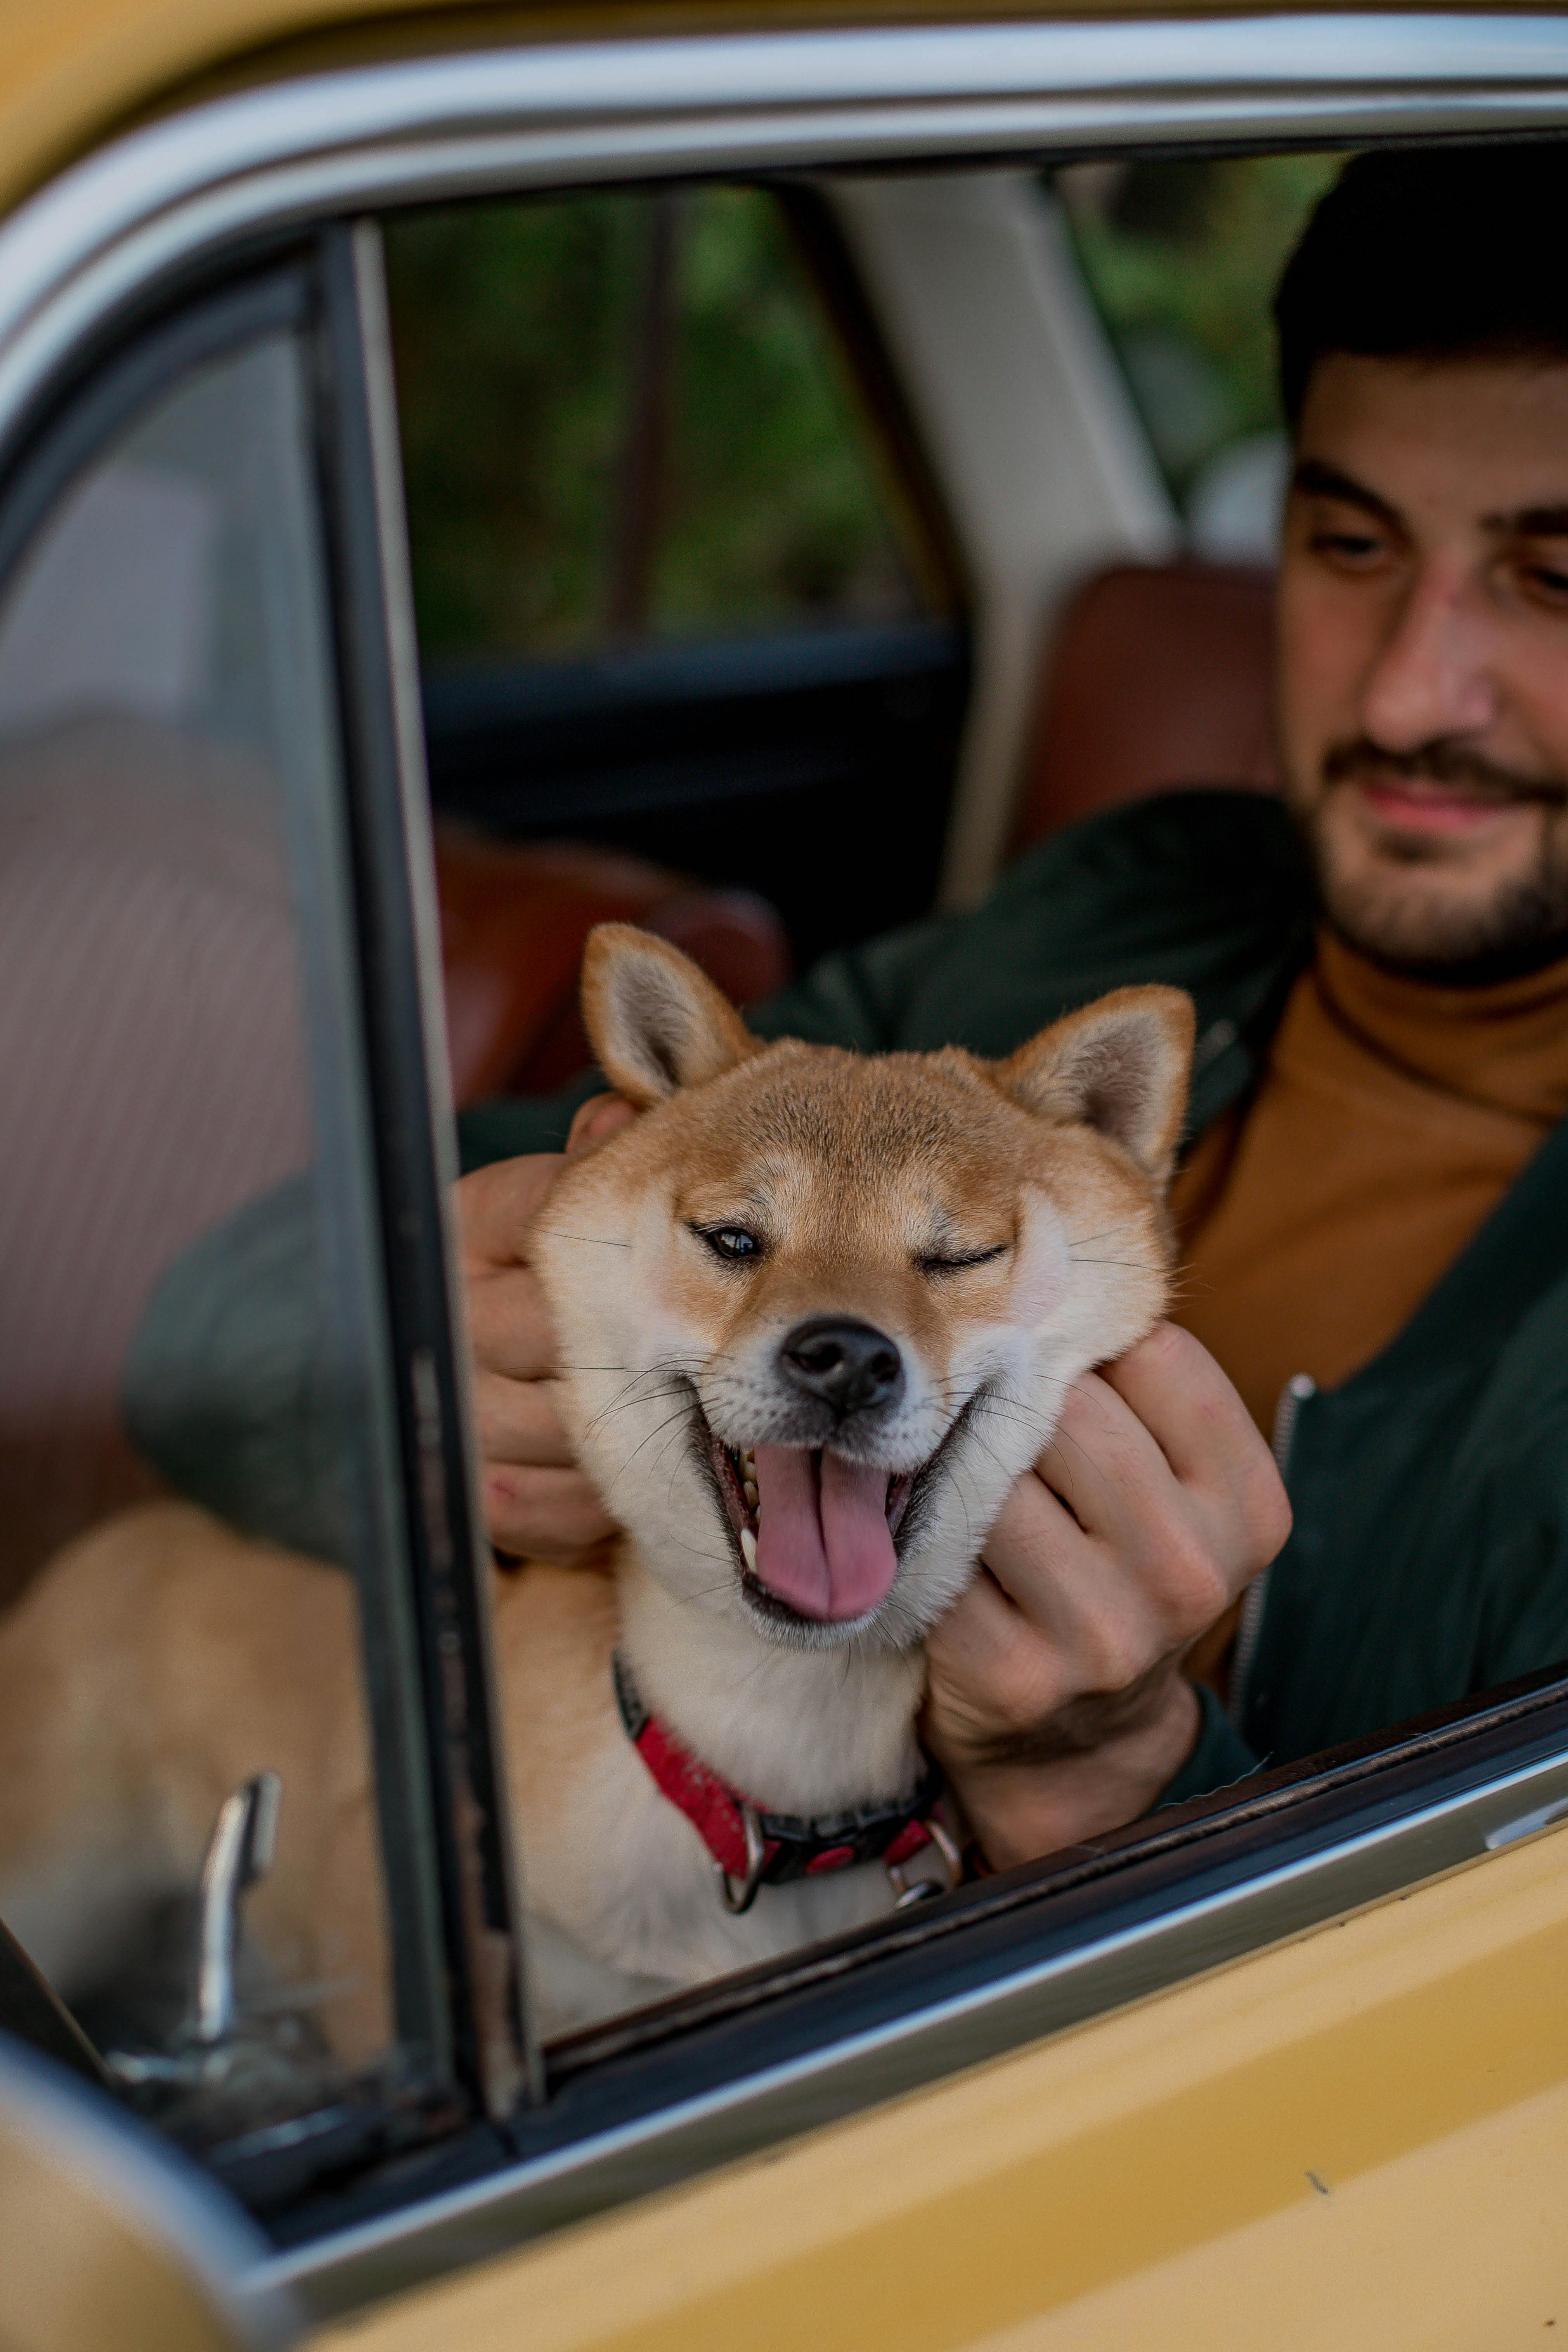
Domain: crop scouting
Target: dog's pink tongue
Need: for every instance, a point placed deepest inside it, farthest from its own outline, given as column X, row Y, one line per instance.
column 823, row 1543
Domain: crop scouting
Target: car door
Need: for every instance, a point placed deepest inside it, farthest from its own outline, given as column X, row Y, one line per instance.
column 1303, row 2030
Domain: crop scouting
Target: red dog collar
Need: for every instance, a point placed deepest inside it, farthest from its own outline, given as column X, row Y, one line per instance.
column 763, row 1849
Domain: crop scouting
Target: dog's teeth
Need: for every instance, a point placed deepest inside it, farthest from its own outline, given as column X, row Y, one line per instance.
column 750, row 1491
column 749, row 1549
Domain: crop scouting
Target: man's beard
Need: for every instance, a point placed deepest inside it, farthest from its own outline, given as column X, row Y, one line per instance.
column 1520, row 928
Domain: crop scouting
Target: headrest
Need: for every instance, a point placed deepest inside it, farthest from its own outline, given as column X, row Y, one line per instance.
column 1157, row 675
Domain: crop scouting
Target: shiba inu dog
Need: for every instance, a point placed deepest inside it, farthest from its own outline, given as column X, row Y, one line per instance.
column 816, row 1312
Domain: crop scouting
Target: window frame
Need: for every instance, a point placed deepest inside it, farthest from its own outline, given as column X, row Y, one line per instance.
column 739, row 2065
column 441, row 1809
column 492, row 2056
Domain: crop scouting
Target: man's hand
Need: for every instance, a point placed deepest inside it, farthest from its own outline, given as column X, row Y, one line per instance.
column 1056, row 1700
column 537, row 1504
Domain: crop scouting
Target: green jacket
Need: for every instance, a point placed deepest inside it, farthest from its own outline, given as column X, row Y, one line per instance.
column 1429, row 1558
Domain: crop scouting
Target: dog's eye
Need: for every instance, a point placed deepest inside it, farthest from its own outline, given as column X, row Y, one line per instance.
column 958, row 1262
column 732, row 1242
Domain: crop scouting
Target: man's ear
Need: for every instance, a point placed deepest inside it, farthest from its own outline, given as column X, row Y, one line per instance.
column 1119, row 1066
column 654, row 1022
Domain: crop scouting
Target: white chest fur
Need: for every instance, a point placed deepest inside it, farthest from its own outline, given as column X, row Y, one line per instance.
column 627, row 1886
column 618, row 1884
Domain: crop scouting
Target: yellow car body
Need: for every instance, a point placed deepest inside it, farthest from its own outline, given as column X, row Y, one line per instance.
column 1352, row 2133
column 1358, row 2137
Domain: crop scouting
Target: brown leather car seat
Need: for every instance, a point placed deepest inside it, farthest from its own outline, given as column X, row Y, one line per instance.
column 514, row 921
column 1158, row 675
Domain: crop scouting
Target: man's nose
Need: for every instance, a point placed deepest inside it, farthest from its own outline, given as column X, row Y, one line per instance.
column 850, row 1366
column 1432, row 677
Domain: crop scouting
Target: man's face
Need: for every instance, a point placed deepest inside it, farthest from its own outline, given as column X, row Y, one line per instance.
column 1424, row 657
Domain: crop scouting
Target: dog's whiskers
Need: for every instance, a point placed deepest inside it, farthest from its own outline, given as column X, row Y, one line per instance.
column 599, row 1241
column 1132, row 1264
column 668, row 1383
column 638, row 1448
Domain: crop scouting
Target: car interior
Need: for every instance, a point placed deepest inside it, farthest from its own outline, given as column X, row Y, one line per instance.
column 744, row 652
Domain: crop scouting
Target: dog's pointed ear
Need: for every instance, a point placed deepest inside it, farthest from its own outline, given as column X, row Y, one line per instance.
column 654, row 1022
column 1119, row 1066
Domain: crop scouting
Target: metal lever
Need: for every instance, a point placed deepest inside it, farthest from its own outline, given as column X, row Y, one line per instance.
column 238, row 1854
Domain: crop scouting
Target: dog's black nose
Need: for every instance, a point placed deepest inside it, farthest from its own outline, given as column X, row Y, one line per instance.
column 849, row 1365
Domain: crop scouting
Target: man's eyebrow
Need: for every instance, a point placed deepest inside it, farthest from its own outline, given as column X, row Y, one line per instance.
column 1530, row 522
column 1316, row 480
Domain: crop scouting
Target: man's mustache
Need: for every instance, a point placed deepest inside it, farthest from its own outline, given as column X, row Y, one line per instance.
column 1440, row 762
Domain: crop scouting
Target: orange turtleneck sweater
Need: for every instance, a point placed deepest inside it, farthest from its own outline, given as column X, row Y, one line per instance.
column 1391, row 1116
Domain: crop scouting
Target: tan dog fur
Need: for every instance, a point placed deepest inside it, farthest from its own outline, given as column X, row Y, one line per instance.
column 162, row 1659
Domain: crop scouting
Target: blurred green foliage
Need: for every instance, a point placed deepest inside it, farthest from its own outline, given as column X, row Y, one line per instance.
column 777, row 513
column 1183, row 258
column 510, row 334
column 623, row 415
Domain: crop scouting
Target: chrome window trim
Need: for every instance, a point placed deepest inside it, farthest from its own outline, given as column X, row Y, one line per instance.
column 342, row 2271
column 173, row 191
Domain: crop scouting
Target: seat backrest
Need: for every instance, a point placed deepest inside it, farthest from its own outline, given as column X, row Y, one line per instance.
column 515, row 917
column 1157, row 675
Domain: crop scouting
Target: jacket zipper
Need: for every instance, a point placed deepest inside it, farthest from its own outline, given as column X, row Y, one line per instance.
column 1287, row 1412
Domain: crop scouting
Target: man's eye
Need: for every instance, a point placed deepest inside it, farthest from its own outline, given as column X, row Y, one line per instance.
column 1547, row 581
column 1346, row 546
column 958, row 1260
column 731, row 1242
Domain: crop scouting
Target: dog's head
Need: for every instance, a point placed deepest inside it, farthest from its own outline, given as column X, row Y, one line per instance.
column 818, row 1310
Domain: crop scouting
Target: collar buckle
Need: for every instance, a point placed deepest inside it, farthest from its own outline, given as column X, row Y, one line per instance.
column 738, row 1899
column 907, row 1891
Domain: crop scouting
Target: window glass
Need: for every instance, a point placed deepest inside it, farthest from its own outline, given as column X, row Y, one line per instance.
column 1183, row 258
column 624, row 417
column 182, row 1097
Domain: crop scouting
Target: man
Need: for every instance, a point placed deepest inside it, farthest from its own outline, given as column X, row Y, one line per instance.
column 1373, row 1208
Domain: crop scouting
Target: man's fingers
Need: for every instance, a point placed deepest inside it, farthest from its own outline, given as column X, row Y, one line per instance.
column 990, row 1660
column 494, row 1205
column 509, row 1325
column 1105, row 1560
column 978, row 1631
column 516, row 1422
column 1154, row 1503
column 991, row 1677
column 1162, row 1424
column 537, row 1504
column 543, row 1514
column 1102, row 1460
column 1099, row 1608
column 1211, row 1441
column 1189, row 1408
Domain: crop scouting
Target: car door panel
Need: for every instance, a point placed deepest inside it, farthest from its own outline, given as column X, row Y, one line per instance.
column 1357, row 2136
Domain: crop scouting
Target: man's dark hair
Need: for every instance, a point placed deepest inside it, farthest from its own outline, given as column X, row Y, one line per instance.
column 1446, row 254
